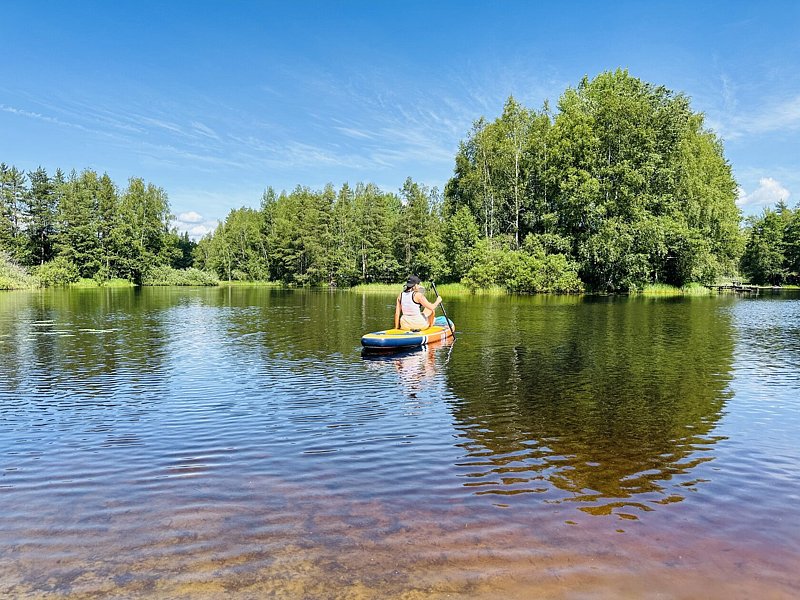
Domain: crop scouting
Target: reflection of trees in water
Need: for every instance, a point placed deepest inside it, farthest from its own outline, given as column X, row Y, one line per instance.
column 75, row 342
column 302, row 325
column 598, row 402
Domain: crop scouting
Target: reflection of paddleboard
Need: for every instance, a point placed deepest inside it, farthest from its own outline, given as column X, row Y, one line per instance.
column 400, row 338
column 379, row 355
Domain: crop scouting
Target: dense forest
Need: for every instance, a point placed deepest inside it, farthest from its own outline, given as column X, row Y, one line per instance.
column 619, row 187
column 772, row 253
column 82, row 225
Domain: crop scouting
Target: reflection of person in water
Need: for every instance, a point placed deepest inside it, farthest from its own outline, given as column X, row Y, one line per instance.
column 413, row 369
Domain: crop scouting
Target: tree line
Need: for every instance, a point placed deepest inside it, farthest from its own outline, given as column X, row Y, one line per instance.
column 772, row 252
column 335, row 237
column 84, row 225
column 620, row 186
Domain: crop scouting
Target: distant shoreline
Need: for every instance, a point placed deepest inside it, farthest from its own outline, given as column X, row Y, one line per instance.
column 445, row 289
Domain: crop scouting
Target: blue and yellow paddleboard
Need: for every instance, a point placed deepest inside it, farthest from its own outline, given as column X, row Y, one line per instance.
column 400, row 338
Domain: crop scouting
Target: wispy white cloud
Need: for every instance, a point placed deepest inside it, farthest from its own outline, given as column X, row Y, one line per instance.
column 39, row 117
column 780, row 117
column 777, row 116
column 768, row 193
column 198, row 158
column 355, row 133
column 365, row 129
column 161, row 124
column 204, row 130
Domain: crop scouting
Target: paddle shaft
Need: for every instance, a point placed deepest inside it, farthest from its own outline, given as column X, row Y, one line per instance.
column 433, row 285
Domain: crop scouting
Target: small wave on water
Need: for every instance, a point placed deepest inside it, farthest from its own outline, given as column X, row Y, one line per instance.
column 209, row 443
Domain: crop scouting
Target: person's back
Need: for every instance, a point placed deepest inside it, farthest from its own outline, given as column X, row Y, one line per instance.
column 412, row 309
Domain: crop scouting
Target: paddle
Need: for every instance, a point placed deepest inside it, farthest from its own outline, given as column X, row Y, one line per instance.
column 453, row 333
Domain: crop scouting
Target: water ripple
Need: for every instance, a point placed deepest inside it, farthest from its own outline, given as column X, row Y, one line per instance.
column 206, row 443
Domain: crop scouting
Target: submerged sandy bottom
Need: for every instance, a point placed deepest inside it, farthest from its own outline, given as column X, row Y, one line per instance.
column 318, row 547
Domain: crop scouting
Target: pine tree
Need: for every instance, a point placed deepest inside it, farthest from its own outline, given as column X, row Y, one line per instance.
column 12, row 219
column 40, row 215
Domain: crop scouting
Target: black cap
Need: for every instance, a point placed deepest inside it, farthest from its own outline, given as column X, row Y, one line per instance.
column 412, row 281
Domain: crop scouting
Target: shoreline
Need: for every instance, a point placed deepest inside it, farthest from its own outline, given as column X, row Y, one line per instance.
column 448, row 289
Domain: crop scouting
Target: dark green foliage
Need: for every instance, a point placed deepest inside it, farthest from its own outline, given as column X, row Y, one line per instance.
column 140, row 234
column 309, row 237
column 791, row 247
column 58, row 272
column 166, row 275
column 419, row 247
column 78, row 223
column 40, row 214
column 625, row 172
column 59, row 224
column 237, row 250
column 376, row 215
column 461, row 235
column 772, row 252
column 12, row 205
column 527, row 269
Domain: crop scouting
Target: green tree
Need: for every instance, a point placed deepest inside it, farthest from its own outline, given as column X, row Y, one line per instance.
column 419, row 245
column 12, row 202
column 185, row 246
column 140, row 232
column 108, row 219
column 461, row 236
column 346, row 235
column 377, row 214
column 285, row 238
column 764, row 260
column 635, row 161
column 317, row 238
column 40, row 216
column 515, row 128
column 78, row 222
column 703, row 208
column 791, row 245
column 473, row 184
column 238, row 246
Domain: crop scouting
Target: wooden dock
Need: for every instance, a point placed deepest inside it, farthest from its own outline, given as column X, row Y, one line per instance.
column 743, row 288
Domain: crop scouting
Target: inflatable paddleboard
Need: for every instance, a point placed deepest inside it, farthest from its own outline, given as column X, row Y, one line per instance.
column 401, row 338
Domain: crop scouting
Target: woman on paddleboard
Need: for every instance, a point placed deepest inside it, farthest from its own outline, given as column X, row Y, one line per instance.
column 412, row 310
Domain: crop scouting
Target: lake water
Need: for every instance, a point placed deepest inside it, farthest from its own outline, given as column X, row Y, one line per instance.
column 209, row 443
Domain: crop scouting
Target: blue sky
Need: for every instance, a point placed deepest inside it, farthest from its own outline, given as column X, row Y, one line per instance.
column 215, row 101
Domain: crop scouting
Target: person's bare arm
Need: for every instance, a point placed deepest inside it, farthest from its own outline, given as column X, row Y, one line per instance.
column 397, row 313
column 420, row 297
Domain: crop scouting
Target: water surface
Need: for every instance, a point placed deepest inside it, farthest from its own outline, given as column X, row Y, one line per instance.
column 235, row 442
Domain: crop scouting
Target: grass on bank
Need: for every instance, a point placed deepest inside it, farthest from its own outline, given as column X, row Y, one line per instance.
column 445, row 289
column 663, row 289
column 85, row 283
column 15, row 277
column 254, row 283
column 167, row 276
column 459, row 289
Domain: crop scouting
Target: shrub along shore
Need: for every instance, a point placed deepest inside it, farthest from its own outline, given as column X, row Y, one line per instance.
column 14, row 277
